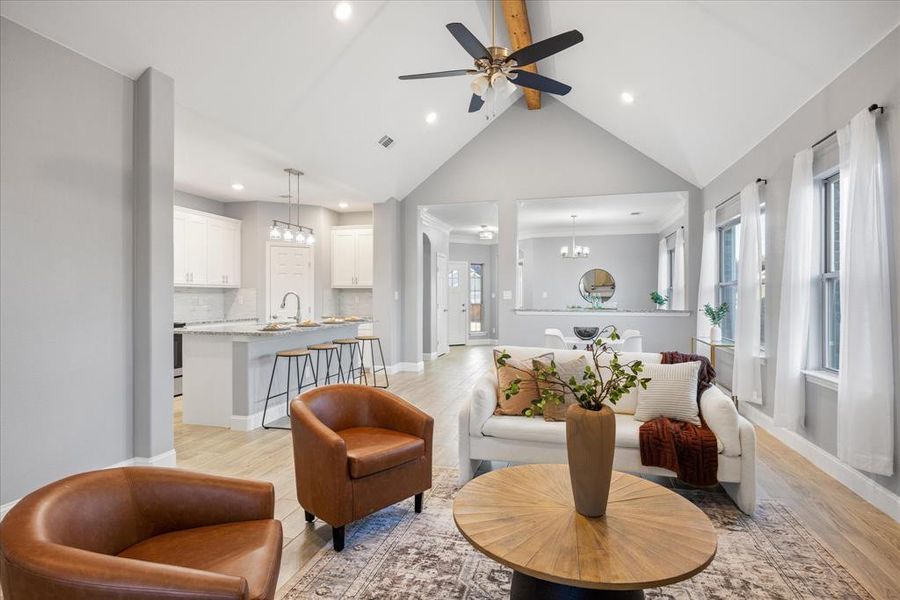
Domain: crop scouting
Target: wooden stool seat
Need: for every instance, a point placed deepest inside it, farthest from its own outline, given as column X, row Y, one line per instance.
column 345, row 341
column 324, row 346
column 292, row 353
column 367, row 338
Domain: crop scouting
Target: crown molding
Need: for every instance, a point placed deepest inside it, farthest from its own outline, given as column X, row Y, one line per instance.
column 429, row 220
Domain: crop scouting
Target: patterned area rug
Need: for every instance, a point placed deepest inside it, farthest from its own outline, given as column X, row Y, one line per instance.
column 396, row 553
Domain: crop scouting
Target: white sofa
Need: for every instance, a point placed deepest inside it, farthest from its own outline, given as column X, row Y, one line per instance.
column 486, row 436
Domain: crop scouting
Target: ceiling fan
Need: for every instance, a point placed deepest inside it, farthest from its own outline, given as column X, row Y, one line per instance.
column 497, row 68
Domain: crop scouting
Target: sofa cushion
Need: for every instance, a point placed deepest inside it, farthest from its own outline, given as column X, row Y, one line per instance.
column 553, row 432
column 566, row 370
column 671, row 392
column 249, row 549
column 528, row 391
column 373, row 449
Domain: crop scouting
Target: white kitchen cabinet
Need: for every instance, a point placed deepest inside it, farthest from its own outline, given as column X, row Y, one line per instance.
column 207, row 249
column 351, row 257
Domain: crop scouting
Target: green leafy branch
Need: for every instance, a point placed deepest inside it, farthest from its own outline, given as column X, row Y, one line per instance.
column 715, row 315
column 605, row 382
column 658, row 298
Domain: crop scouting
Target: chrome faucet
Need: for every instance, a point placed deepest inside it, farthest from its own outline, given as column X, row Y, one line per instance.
column 284, row 303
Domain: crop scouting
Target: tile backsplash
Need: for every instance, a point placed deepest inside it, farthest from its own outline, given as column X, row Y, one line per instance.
column 354, row 302
column 198, row 304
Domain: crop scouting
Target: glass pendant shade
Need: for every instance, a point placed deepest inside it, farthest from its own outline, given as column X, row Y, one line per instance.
column 274, row 233
column 310, row 239
column 300, row 237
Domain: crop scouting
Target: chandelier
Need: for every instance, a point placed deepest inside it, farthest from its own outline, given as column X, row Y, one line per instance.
column 288, row 230
column 577, row 251
column 485, row 233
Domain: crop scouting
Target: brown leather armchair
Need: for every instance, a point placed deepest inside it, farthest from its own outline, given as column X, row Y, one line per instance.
column 357, row 450
column 142, row 533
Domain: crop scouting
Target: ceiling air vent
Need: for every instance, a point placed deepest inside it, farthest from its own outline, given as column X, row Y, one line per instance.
column 386, row 141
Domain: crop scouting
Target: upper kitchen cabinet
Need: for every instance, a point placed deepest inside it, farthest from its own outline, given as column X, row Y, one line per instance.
column 351, row 257
column 207, row 249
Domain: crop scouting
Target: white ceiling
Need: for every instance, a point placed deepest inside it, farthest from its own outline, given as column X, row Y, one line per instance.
column 600, row 215
column 265, row 85
column 466, row 218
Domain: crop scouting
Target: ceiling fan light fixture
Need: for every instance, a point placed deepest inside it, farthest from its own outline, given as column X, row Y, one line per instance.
column 480, row 84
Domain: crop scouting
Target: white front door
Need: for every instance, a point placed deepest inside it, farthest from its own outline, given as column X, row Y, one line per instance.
column 290, row 270
column 441, row 304
column 458, row 302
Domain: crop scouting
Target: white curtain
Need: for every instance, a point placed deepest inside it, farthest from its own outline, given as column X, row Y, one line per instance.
column 865, row 430
column 746, row 378
column 678, row 272
column 709, row 265
column 662, row 273
column 797, row 294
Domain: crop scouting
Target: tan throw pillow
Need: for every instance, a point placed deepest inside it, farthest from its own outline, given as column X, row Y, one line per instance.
column 528, row 390
column 671, row 392
column 566, row 370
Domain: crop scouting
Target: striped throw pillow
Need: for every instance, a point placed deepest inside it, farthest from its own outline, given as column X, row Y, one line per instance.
column 671, row 392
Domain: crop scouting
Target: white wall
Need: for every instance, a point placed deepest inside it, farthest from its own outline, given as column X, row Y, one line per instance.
column 874, row 78
column 574, row 157
column 630, row 259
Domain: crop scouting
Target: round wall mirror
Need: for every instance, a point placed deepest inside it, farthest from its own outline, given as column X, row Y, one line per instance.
column 597, row 284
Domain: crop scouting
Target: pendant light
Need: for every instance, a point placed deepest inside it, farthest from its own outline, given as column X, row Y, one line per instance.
column 288, row 230
column 577, row 251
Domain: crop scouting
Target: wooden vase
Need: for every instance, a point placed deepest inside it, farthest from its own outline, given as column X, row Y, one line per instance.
column 591, row 444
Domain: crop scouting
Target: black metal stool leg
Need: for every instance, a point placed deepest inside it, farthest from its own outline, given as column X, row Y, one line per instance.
column 387, row 382
column 362, row 362
column 269, row 394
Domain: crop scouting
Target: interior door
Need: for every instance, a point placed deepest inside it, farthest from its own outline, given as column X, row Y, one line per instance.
column 290, row 270
column 441, row 307
column 458, row 302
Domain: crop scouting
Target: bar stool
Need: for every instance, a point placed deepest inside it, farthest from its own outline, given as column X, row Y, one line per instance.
column 296, row 355
column 372, row 339
column 331, row 351
column 354, row 374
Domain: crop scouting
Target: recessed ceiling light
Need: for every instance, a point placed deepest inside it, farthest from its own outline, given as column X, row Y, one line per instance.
column 237, row 186
column 431, row 117
column 343, row 205
column 627, row 98
column 343, row 11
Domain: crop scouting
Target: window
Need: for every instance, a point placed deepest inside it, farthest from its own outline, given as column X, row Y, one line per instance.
column 831, row 274
column 729, row 242
column 453, row 278
column 476, row 296
column 670, row 254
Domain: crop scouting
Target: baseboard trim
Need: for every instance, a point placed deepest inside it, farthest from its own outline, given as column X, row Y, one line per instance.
column 429, row 355
column 166, row 459
column 870, row 491
column 247, row 423
column 412, row 367
column 481, row 342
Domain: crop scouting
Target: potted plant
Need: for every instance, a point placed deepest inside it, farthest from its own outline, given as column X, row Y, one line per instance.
column 715, row 316
column 590, row 422
column 658, row 299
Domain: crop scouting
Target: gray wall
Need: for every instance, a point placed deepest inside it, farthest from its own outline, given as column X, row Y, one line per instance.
column 575, row 157
column 482, row 253
column 874, row 78
column 354, row 218
column 388, row 272
column 630, row 259
column 66, row 235
column 195, row 202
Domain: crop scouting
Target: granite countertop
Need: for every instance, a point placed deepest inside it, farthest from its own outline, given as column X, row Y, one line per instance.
column 253, row 328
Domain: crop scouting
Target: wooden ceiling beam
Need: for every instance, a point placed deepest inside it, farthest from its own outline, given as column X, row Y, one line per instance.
column 516, row 15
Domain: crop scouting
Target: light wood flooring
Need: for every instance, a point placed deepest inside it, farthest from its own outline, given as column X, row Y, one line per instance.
column 861, row 537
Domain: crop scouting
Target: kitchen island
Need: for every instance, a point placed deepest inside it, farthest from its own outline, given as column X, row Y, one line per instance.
column 227, row 366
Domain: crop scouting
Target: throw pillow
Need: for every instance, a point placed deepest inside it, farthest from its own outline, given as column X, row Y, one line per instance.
column 671, row 392
column 528, row 390
column 627, row 403
column 572, row 368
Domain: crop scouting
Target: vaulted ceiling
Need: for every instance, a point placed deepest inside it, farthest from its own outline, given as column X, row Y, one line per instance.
column 265, row 85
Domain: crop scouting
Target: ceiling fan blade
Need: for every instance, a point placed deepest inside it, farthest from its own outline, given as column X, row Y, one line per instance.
column 539, row 82
column 543, row 49
column 475, row 103
column 468, row 41
column 452, row 73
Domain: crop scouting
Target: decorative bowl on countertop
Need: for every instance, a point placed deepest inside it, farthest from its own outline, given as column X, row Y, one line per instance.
column 276, row 327
column 586, row 333
column 332, row 321
column 307, row 323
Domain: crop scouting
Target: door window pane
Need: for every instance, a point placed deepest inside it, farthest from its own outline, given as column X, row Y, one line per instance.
column 476, row 296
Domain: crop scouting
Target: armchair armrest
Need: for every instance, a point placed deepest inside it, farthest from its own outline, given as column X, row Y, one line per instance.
column 482, row 403
column 65, row 572
column 722, row 417
column 393, row 412
column 176, row 499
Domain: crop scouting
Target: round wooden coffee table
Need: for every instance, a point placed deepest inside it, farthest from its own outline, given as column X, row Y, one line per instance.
column 524, row 517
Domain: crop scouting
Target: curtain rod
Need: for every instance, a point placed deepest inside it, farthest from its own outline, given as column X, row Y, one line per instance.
column 733, row 196
column 872, row 108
